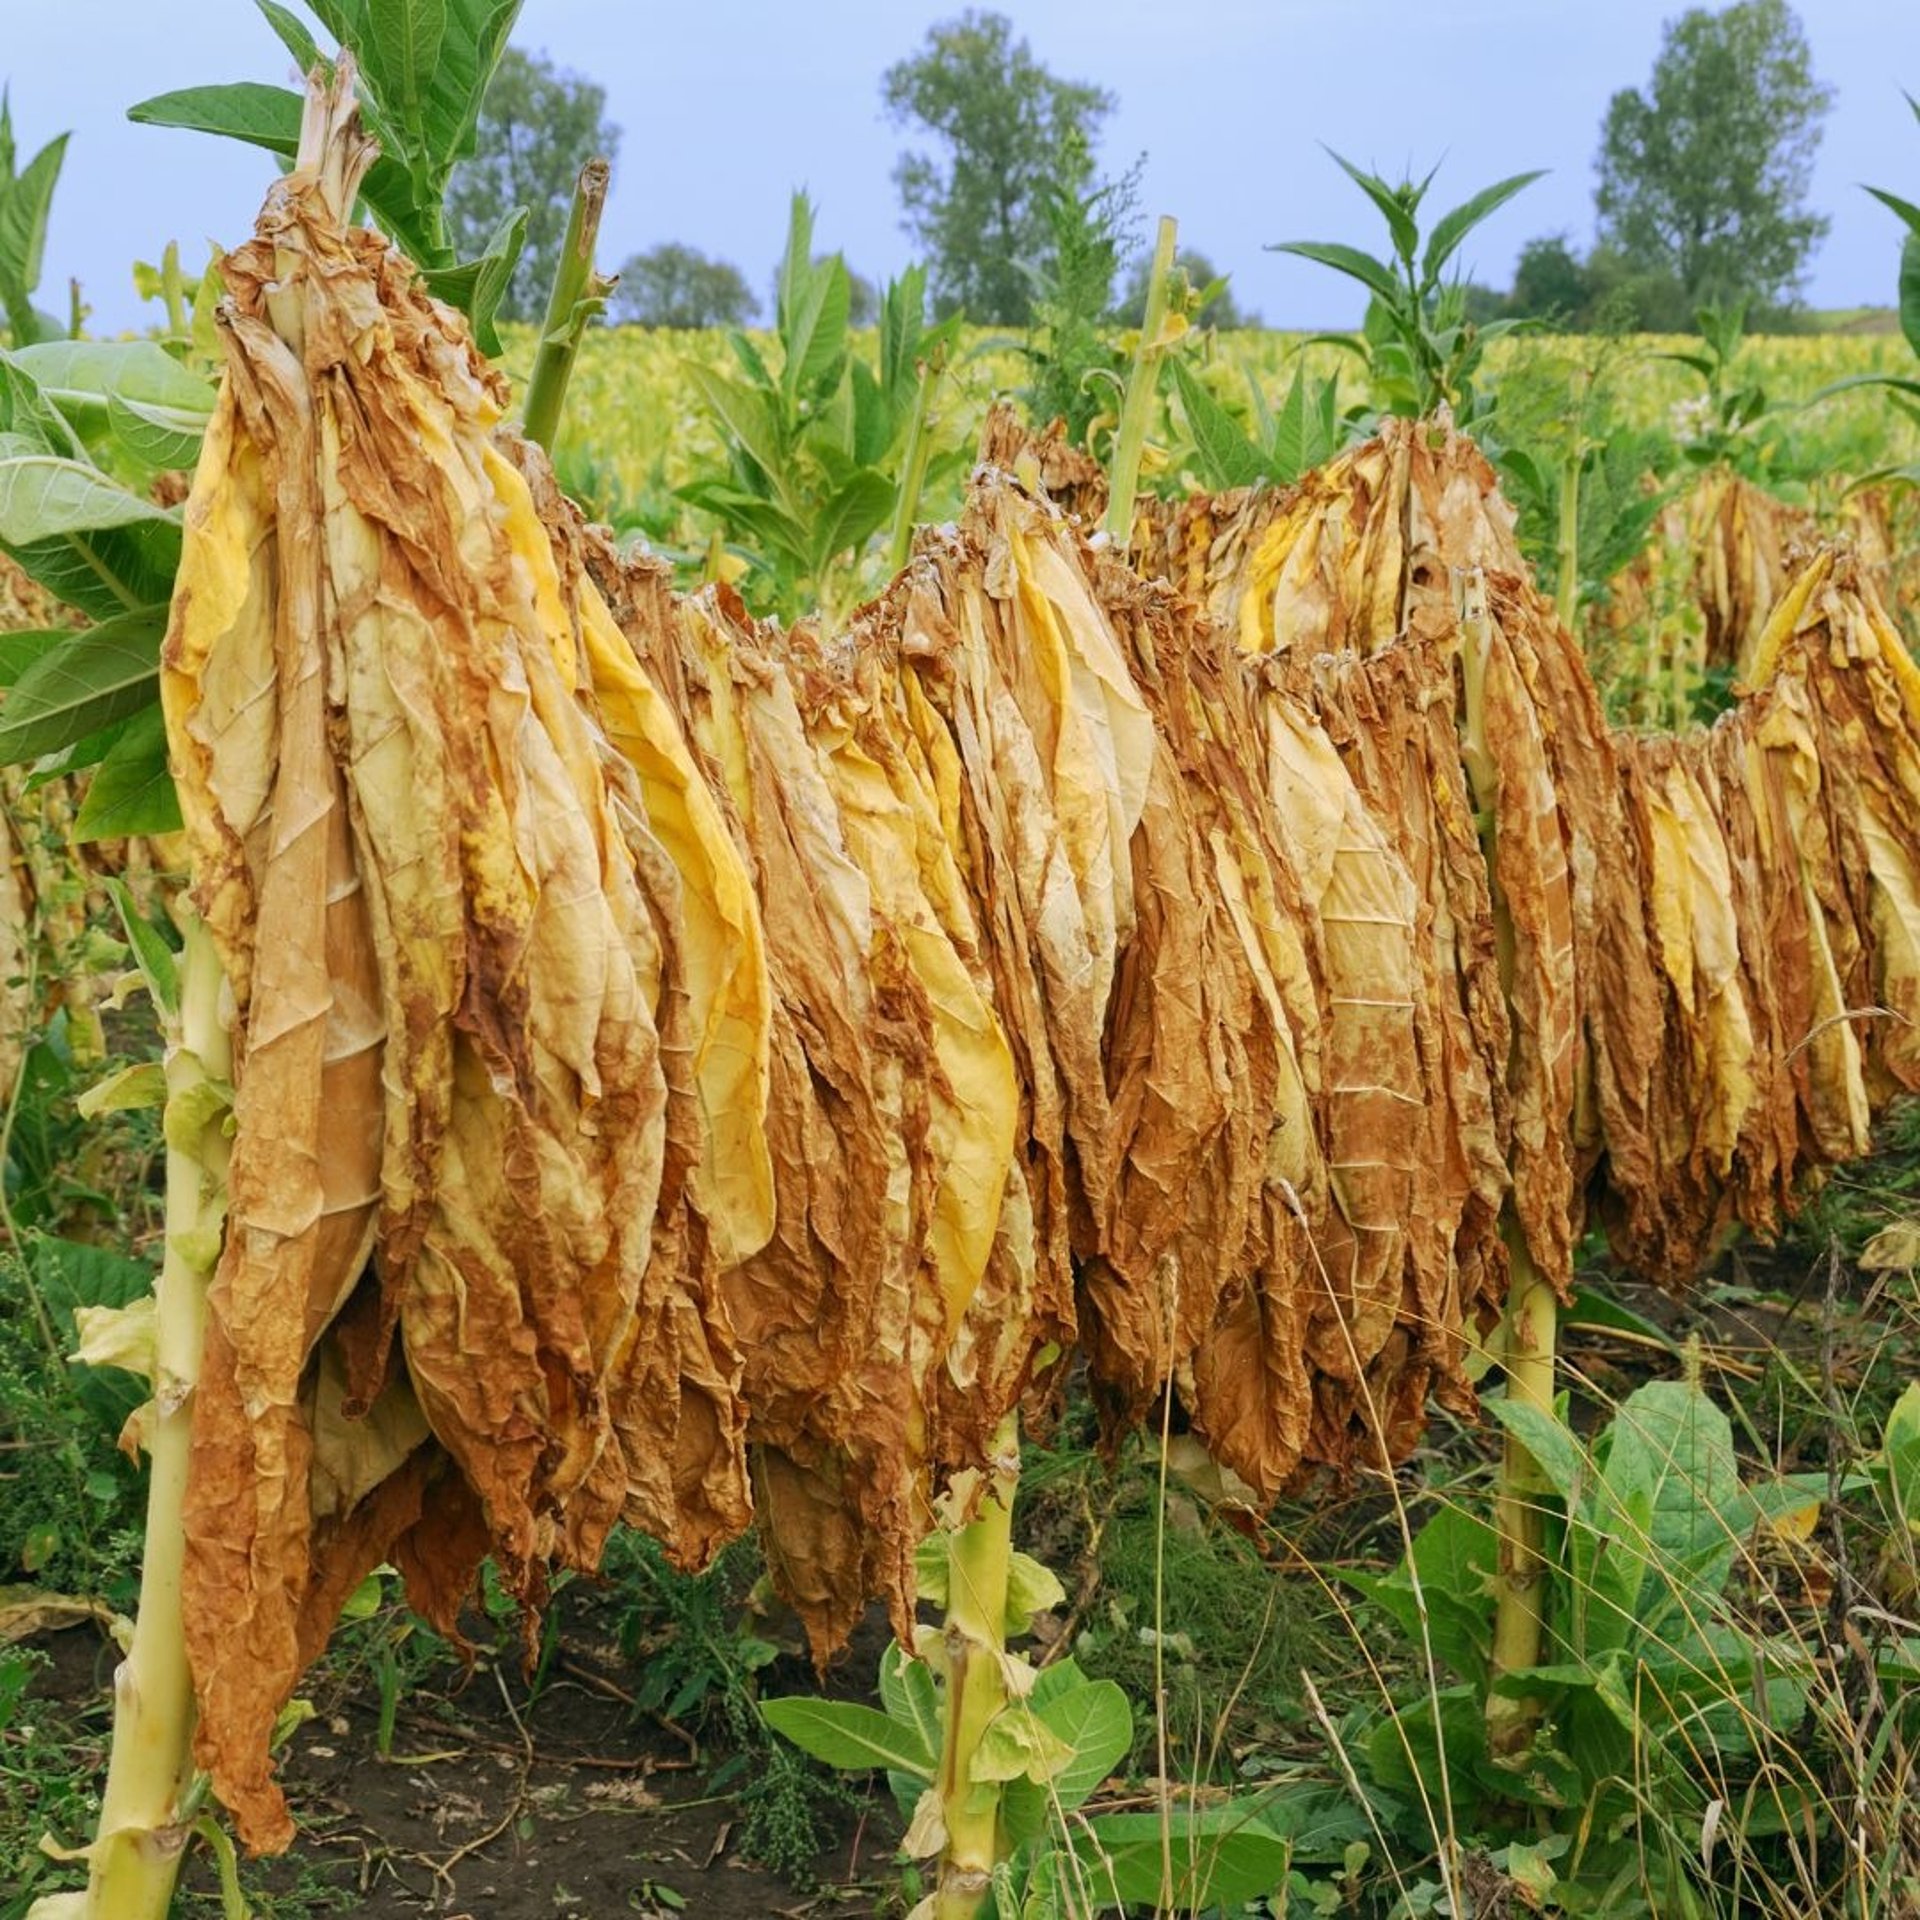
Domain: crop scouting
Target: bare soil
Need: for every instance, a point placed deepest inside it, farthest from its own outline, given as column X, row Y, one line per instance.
column 568, row 1805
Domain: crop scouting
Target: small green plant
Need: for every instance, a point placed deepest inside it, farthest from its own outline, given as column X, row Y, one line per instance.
column 26, row 206
column 1653, row 1697
column 1420, row 348
column 1732, row 423
column 1072, row 344
column 825, row 451
column 424, row 66
column 1303, row 432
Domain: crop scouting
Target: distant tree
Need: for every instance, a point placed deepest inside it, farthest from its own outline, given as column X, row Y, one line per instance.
column 1703, row 176
column 678, row 286
column 980, row 210
column 1222, row 311
column 1550, row 282
column 537, row 128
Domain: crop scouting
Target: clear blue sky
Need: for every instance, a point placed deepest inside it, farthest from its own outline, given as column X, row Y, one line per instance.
column 726, row 105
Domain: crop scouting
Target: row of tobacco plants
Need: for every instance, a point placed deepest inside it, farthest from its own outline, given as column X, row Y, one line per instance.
column 626, row 1063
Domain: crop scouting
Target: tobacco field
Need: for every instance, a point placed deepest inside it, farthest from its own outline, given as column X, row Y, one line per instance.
column 784, row 1135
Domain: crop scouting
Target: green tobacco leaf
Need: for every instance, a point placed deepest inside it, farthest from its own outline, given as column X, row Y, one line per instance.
column 131, row 791
column 1227, row 458
column 42, row 495
column 1452, row 228
column 108, row 573
column 852, row 515
column 101, row 675
column 474, row 38
column 26, row 201
column 1371, row 273
column 1454, row 1559
column 748, row 418
column 908, row 1694
column 86, row 375
column 1900, row 1455
column 477, row 287
column 294, row 35
column 1554, row 1449
column 847, row 1735
column 1221, row 1858
column 1096, row 1723
column 814, row 331
column 1910, row 289
column 1904, row 208
column 21, row 648
column 151, row 952
column 156, row 437
column 1401, row 225
column 248, row 110
column 401, row 50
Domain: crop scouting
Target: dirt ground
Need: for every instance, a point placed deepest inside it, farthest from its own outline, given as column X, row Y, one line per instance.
column 571, row 1807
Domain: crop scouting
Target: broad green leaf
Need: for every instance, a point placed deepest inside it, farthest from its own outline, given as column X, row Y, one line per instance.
column 852, row 516
column 248, row 110
column 1032, row 1587
column 1401, row 225
column 42, row 495
column 1554, row 1449
column 815, row 331
column 1373, row 274
column 748, row 418
column 1095, row 1722
column 873, row 422
column 1016, row 1744
column 152, row 954
column 477, row 287
column 1910, row 289
column 25, row 203
column 1454, row 1558
column 108, row 573
column 1221, row 1858
column 1900, row 1455
column 908, row 1694
column 1452, row 228
column 22, row 647
column 1904, row 208
column 847, row 1735
column 98, row 676
column 102, row 674
column 294, row 35
column 159, row 438
column 131, row 791
column 475, row 37
column 1227, row 458
column 400, row 52
column 80, row 376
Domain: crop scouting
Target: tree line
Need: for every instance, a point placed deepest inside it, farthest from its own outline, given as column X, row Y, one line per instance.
column 1701, row 189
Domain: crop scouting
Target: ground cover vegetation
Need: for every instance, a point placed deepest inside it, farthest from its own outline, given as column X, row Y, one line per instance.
column 1092, row 1116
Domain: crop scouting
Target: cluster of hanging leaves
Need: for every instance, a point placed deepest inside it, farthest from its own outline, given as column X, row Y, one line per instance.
column 682, row 1065
column 1741, row 899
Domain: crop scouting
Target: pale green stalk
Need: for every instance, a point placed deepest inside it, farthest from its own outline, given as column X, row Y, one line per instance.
column 1529, row 1330
column 578, row 294
column 980, row 1558
column 913, row 463
column 144, row 1816
column 1136, row 409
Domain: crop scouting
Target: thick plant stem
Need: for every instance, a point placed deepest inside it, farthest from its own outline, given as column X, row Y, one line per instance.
column 980, row 1559
column 1530, row 1326
column 1124, row 478
column 578, row 294
column 1566, row 596
column 1520, row 1500
column 136, row 1856
column 913, row 463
